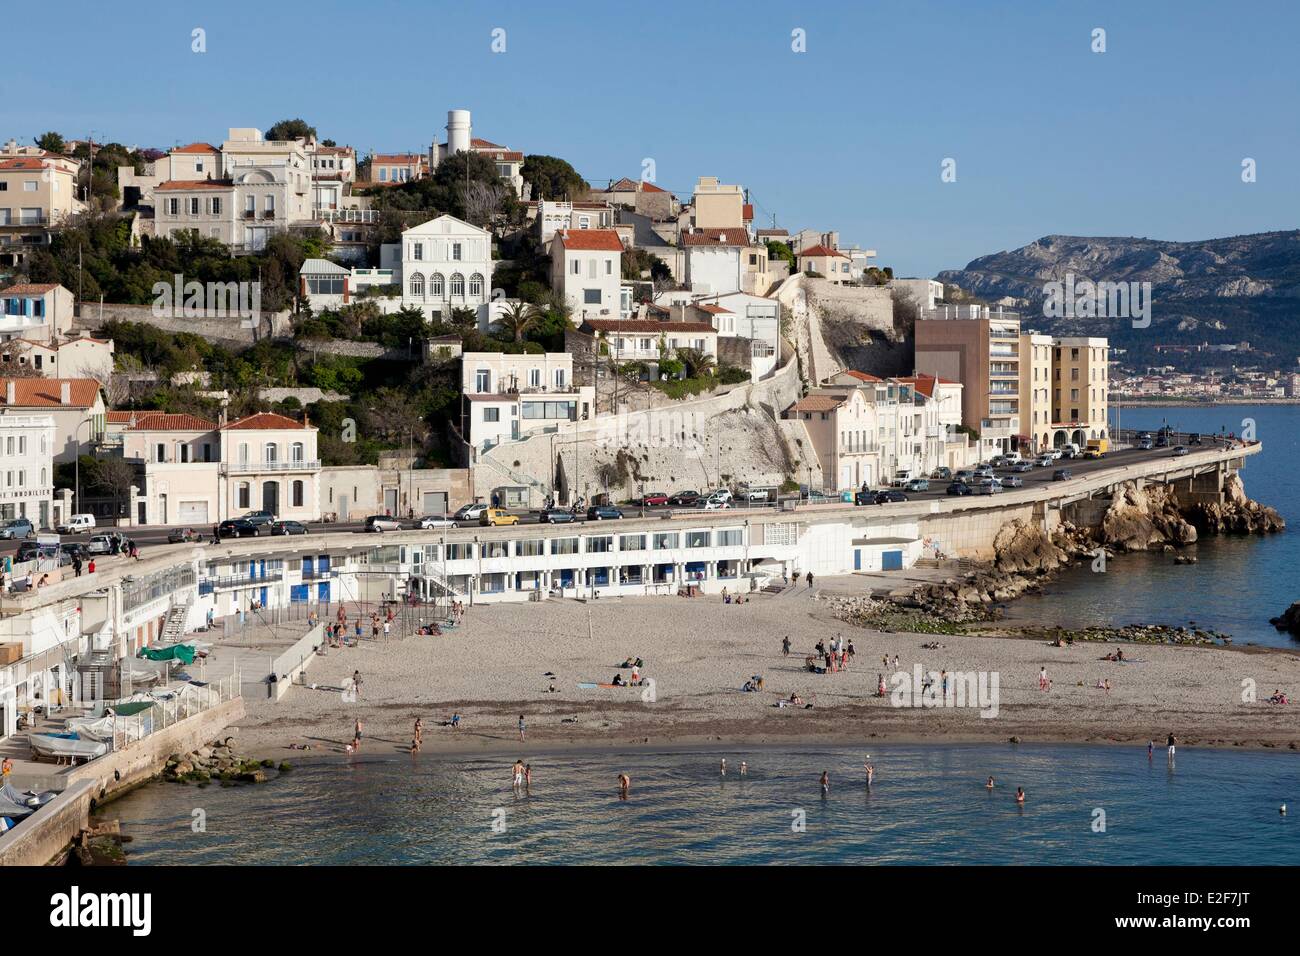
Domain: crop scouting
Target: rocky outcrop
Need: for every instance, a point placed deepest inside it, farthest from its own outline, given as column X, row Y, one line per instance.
column 1023, row 548
column 1289, row 620
column 217, row 760
column 1142, row 518
column 1238, row 514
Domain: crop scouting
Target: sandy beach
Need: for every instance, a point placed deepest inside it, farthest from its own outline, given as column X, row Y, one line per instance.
column 699, row 652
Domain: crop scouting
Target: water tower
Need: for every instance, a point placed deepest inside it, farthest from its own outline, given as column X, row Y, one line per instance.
column 458, row 131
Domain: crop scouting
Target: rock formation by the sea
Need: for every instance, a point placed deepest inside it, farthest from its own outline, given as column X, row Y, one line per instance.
column 1143, row 518
column 1238, row 514
column 1289, row 620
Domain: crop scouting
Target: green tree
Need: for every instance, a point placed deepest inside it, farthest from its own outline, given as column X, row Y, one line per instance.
column 51, row 142
column 553, row 178
column 697, row 362
column 518, row 318
column 291, row 129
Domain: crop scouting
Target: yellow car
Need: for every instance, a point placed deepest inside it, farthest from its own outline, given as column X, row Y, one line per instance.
column 498, row 516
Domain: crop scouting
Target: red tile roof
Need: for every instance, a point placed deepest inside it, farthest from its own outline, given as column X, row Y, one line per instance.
column 196, row 148
column 647, row 325
column 625, row 185
column 47, row 392
column 120, row 417
column 507, row 155
column 862, row 376
column 264, row 420
column 186, row 184
column 169, row 422
column 715, row 237
column 590, row 240
column 820, row 250
column 477, row 143
column 818, row 403
column 714, row 309
column 30, row 288
column 923, row 383
column 25, row 162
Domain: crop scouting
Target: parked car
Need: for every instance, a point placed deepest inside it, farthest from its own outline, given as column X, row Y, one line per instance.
column 74, row 549
column 77, row 524
column 890, row 496
column 470, row 512
column 942, row 473
column 965, row 476
column 238, row 528
column 652, row 498
column 983, row 471
column 1061, row 474
column 685, row 499
column 719, row 494
column 17, row 528
column 758, row 494
column 918, row 484
column 959, row 488
column 495, row 517
column 382, row 523
column 1021, row 467
column 288, row 527
column 437, row 521
column 998, row 461
column 1013, row 481
column 547, row 516
column 174, row 536
column 603, row 513
column 1146, row 444
column 101, row 544
column 259, row 517
column 1181, row 450
column 864, row 498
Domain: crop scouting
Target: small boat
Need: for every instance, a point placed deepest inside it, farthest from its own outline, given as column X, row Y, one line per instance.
column 66, row 745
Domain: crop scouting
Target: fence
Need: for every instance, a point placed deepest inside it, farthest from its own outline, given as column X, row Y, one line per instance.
column 189, row 700
column 292, row 664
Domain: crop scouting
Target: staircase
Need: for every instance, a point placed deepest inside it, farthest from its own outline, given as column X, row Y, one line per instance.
column 174, row 629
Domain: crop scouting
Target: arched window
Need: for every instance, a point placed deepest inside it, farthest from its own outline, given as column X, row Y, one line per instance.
column 435, row 286
column 417, row 285
column 271, row 453
column 295, row 452
column 457, row 285
column 297, row 494
column 476, row 284
column 243, row 495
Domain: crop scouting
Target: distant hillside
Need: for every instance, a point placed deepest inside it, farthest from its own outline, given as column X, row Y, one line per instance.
column 1242, row 288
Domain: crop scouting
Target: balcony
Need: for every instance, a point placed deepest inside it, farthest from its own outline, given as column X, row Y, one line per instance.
column 360, row 216
column 208, row 585
column 253, row 467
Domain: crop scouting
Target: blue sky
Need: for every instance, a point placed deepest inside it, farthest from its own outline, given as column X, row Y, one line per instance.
column 1146, row 139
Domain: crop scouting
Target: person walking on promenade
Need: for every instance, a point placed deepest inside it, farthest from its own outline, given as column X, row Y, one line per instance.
column 810, row 580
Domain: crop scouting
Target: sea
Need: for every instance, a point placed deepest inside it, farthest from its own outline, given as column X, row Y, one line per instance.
column 928, row 804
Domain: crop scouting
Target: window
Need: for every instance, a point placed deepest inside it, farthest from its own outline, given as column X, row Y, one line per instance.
column 159, row 453
column 435, row 286
column 296, row 452
column 577, row 267
column 29, row 186
column 417, row 285
column 631, row 542
column 483, row 380
column 455, row 252
column 591, row 297
column 243, row 497
column 216, row 205
column 530, row 549
column 476, row 284
column 564, row 546
column 609, row 267
column 491, row 414
column 270, row 204
column 457, row 284
column 534, row 378
column 270, row 452
column 729, row 538
column 665, row 541
column 697, row 539
column 496, row 549
column 600, row 544
column 417, row 251
column 173, row 206
column 560, row 378
column 194, row 205
column 297, row 496
column 459, row 552
column 584, row 222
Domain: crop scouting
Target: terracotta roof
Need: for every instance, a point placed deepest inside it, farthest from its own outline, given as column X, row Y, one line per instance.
column 264, row 420
column 25, row 162
column 818, row 403
column 923, row 383
column 590, row 240
column 196, row 148
column 715, row 237
column 862, row 376
column 168, row 422
column 187, row 184
column 30, row 288
column 47, row 392
column 820, row 250
column 647, row 325
column 632, row 185
column 477, row 143
column 333, row 150
column 510, row 155
column 118, row 417
column 714, row 309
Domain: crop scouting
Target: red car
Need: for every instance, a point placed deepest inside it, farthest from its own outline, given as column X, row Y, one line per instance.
column 654, row 498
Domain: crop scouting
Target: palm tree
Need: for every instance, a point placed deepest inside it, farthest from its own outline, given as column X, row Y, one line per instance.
column 518, row 318
column 697, row 362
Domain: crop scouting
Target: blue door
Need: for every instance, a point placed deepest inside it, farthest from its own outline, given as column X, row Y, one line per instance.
column 892, row 560
column 323, row 562
column 857, row 559
column 263, row 596
column 566, row 577
column 297, row 593
column 323, row 592
column 306, row 568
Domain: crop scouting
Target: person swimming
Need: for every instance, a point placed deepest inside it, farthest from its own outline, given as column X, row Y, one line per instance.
column 989, row 785
column 744, row 768
column 624, row 785
column 1020, row 795
column 724, row 766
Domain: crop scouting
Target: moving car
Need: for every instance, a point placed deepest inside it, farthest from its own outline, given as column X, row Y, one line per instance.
column 603, row 513
column 652, row 498
column 174, row 536
column 1146, row 444
column 1061, row 474
column 437, row 521
column 495, row 517
column 381, row 523
column 288, row 527
column 238, row 528
column 1013, row 481
column 942, row 473
column 983, row 471
column 686, row 499
column 1021, row 467
column 77, row 524
column 1093, row 453
column 918, row 484
column 988, row 488
column 547, row 516
column 889, row 497
column 1181, row 450
column 1044, row 461
column 959, row 488
column 965, row 475
column 470, row 512
column 17, row 528
column 716, row 504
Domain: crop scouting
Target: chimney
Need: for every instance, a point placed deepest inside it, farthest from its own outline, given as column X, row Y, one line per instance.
column 11, row 392
column 65, row 393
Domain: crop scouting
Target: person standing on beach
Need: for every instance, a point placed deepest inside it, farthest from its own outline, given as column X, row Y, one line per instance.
column 826, row 782
column 419, row 730
column 356, row 684
column 356, row 732
column 521, row 728
column 810, row 580
column 785, row 646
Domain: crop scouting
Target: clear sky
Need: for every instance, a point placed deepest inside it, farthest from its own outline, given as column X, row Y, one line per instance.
column 1145, row 139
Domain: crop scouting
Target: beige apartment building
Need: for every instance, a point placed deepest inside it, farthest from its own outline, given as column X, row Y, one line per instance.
column 718, row 206
column 37, row 194
column 1036, row 390
column 980, row 348
column 1080, row 389
column 269, row 463
column 824, row 261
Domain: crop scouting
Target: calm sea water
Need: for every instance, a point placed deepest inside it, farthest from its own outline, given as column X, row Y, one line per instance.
column 1237, row 584
column 929, row 805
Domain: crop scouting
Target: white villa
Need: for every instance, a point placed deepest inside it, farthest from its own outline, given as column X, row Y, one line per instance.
column 447, row 264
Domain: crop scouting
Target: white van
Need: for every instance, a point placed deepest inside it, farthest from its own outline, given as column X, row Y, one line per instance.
column 77, row 524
